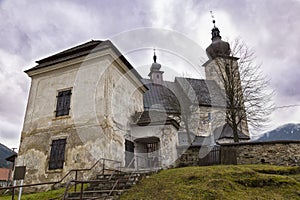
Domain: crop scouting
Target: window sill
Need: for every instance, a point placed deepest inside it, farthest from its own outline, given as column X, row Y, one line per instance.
column 54, row 171
column 61, row 117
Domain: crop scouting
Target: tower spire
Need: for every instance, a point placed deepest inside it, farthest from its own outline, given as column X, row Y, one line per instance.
column 213, row 18
column 156, row 75
column 154, row 56
column 215, row 32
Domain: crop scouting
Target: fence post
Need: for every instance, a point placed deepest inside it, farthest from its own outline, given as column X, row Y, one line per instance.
column 13, row 194
column 75, row 180
column 103, row 165
column 81, row 191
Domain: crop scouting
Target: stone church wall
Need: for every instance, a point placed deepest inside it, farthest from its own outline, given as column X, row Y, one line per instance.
column 275, row 152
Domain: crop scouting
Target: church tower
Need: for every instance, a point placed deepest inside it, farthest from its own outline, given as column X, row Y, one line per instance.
column 156, row 75
column 219, row 54
column 222, row 67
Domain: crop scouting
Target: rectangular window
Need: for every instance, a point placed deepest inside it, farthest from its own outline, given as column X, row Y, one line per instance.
column 209, row 117
column 57, row 154
column 63, row 103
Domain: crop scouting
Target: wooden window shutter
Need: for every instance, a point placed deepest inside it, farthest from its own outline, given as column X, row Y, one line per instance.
column 57, row 154
column 63, row 103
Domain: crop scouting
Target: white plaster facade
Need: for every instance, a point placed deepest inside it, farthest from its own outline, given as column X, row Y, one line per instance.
column 96, row 126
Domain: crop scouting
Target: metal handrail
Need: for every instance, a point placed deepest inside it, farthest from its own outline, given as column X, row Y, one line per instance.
column 53, row 183
column 88, row 169
column 112, row 189
column 81, row 188
column 147, row 159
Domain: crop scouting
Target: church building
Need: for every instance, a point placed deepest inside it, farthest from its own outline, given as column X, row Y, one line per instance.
column 88, row 102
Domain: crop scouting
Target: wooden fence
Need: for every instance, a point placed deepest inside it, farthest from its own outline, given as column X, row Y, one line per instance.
column 219, row 156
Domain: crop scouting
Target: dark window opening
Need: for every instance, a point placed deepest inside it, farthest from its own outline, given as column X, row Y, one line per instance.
column 57, row 154
column 151, row 147
column 152, row 154
column 129, row 154
column 63, row 103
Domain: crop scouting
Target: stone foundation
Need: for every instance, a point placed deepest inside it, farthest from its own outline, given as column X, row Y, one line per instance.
column 285, row 153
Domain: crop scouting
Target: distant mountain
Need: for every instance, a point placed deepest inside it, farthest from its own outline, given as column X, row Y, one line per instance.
column 285, row 132
column 4, row 153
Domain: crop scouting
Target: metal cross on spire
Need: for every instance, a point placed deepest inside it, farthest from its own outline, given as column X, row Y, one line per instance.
column 154, row 57
column 213, row 18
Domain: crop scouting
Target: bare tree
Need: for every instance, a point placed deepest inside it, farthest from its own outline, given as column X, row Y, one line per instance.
column 247, row 96
column 192, row 94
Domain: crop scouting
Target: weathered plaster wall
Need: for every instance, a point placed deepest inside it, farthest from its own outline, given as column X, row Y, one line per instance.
column 214, row 69
column 96, row 125
column 168, row 140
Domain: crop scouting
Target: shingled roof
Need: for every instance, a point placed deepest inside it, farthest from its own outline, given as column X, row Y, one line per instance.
column 206, row 92
column 166, row 96
column 153, row 117
column 83, row 50
column 161, row 97
column 225, row 131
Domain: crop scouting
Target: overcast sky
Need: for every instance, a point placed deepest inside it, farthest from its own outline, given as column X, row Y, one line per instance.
column 32, row 29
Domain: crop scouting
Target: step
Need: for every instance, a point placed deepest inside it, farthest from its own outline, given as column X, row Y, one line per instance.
column 106, row 176
column 102, row 185
column 107, row 183
column 108, row 187
column 93, row 198
column 95, row 193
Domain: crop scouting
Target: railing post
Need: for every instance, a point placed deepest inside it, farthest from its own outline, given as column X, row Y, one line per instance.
column 103, row 165
column 13, row 194
column 75, row 180
column 81, row 191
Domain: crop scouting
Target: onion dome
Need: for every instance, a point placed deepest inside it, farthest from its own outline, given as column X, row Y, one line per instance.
column 218, row 47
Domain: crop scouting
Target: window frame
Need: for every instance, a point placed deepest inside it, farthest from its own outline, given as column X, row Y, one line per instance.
column 63, row 102
column 57, row 156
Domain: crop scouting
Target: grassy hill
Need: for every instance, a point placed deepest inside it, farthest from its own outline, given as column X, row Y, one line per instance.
column 240, row 182
column 220, row 182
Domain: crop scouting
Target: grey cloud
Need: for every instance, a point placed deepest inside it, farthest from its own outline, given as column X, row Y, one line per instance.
column 31, row 30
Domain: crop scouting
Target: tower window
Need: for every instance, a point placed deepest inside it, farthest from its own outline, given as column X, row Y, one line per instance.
column 57, row 154
column 209, row 116
column 157, row 76
column 63, row 103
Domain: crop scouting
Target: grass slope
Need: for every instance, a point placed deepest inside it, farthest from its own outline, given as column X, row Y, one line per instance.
column 220, row 182
column 51, row 194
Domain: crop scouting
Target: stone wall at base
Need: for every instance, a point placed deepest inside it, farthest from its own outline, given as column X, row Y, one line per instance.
column 285, row 153
column 195, row 155
column 274, row 152
column 187, row 156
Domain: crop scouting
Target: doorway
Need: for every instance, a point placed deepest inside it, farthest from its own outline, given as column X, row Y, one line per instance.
column 147, row 152
column 129, row 154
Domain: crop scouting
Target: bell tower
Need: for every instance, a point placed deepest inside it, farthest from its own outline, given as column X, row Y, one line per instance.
column 223, row 68
column 156, row 75
column 218, row 53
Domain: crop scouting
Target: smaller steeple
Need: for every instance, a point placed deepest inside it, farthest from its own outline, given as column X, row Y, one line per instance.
column 155, row 74
column 154, row 56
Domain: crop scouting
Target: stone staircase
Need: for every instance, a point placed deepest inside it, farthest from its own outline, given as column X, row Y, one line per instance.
column 108, row 186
